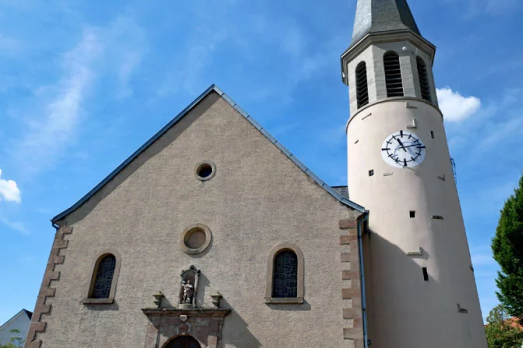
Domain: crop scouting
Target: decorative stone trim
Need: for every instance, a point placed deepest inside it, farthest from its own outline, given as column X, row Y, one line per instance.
column 284, row 300
column 347, row 224
column 92, row 301
column 350, row 276
column 348, row 239
column 299, row 299
column 191, row 229
column 205, row 164
column 87, row 298
column 204, row 324
column 46, row 291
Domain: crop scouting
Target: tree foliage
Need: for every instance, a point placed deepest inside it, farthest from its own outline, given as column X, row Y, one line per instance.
column 507, row 247
column 501, row 331
column 17, row 341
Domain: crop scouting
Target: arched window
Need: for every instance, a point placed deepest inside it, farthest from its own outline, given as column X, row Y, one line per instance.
column 285, row 282
column 103, row 279
column 423, row 79
column 362, row 90
column 285, row 275
column 393, row 81
column 183, row 342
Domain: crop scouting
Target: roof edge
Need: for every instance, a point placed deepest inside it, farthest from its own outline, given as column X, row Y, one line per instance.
column 212, row 88
column 23, row 311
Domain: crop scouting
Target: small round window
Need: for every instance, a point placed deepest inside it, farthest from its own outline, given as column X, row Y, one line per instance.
column 205, row 171
column 195, row 239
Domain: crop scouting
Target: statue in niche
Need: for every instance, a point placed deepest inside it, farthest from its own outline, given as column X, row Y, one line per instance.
column 187, row 291
column 188, row 288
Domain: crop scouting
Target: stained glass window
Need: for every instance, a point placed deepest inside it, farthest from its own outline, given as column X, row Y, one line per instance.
column 104, row 277
column 285, row 282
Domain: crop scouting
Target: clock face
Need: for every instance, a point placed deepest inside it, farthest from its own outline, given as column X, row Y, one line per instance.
column 403, row 149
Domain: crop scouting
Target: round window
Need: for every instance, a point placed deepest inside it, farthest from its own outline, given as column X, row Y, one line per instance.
column 205, row 171
column 195, row 239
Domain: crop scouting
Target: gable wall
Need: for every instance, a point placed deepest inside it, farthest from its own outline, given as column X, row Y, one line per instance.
column 257, row 200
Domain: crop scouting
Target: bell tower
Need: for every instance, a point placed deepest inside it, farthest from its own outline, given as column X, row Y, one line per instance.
column 419, row 281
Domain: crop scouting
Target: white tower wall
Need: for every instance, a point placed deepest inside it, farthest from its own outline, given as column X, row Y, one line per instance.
column 404, row 310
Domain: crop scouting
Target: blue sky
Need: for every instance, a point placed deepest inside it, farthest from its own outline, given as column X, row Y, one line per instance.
column 84, row 83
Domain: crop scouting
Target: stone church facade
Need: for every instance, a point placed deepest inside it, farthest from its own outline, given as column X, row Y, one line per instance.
column 212, row 234
column 256, row 204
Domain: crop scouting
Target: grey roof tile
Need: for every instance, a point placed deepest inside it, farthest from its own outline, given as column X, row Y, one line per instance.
column 342, row 190
column 374, row 16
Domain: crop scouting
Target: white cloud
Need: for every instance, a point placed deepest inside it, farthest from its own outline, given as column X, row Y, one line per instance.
column 51, row 131
column 115, row 49
column 9, row 190
column 15, row 226
column 188, row 71
column 125, row 44
column 503, row 7
column 456, row 107
column 9, row 45
column 476, row 8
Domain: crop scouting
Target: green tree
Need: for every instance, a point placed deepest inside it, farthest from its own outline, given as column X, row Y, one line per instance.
column 500, row 331
column 17, row 341
column 507, row 247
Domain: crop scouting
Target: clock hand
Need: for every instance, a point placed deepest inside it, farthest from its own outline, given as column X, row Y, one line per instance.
column 418, row 145
column 402, row 146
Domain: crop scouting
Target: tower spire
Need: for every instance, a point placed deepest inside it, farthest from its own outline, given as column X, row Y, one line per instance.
column 374, row 16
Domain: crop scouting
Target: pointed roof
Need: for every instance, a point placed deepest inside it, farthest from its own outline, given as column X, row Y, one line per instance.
column 213, row 88
column 23, row 311
column 373, row 16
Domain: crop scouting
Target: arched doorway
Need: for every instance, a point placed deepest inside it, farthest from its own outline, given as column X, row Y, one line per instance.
column 183, row 342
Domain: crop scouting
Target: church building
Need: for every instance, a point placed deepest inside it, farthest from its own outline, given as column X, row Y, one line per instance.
column 213, row 235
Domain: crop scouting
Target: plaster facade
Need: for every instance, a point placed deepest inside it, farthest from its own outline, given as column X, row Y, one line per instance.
column 257, row 199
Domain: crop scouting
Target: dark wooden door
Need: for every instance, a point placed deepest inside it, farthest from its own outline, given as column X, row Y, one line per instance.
column 184, row 342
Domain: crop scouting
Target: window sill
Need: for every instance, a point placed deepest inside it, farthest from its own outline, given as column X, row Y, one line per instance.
column 101, row 301
column 284, row 300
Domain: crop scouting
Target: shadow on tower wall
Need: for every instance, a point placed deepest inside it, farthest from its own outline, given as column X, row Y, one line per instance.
column 407, row 319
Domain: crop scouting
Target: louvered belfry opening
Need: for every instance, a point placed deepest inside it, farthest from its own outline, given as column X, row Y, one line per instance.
column 362, row 89
column 423, row 79
column 393, row 74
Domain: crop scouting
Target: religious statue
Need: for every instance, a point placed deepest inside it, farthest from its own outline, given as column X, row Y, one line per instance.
column 187, row 291
column 188, row 288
